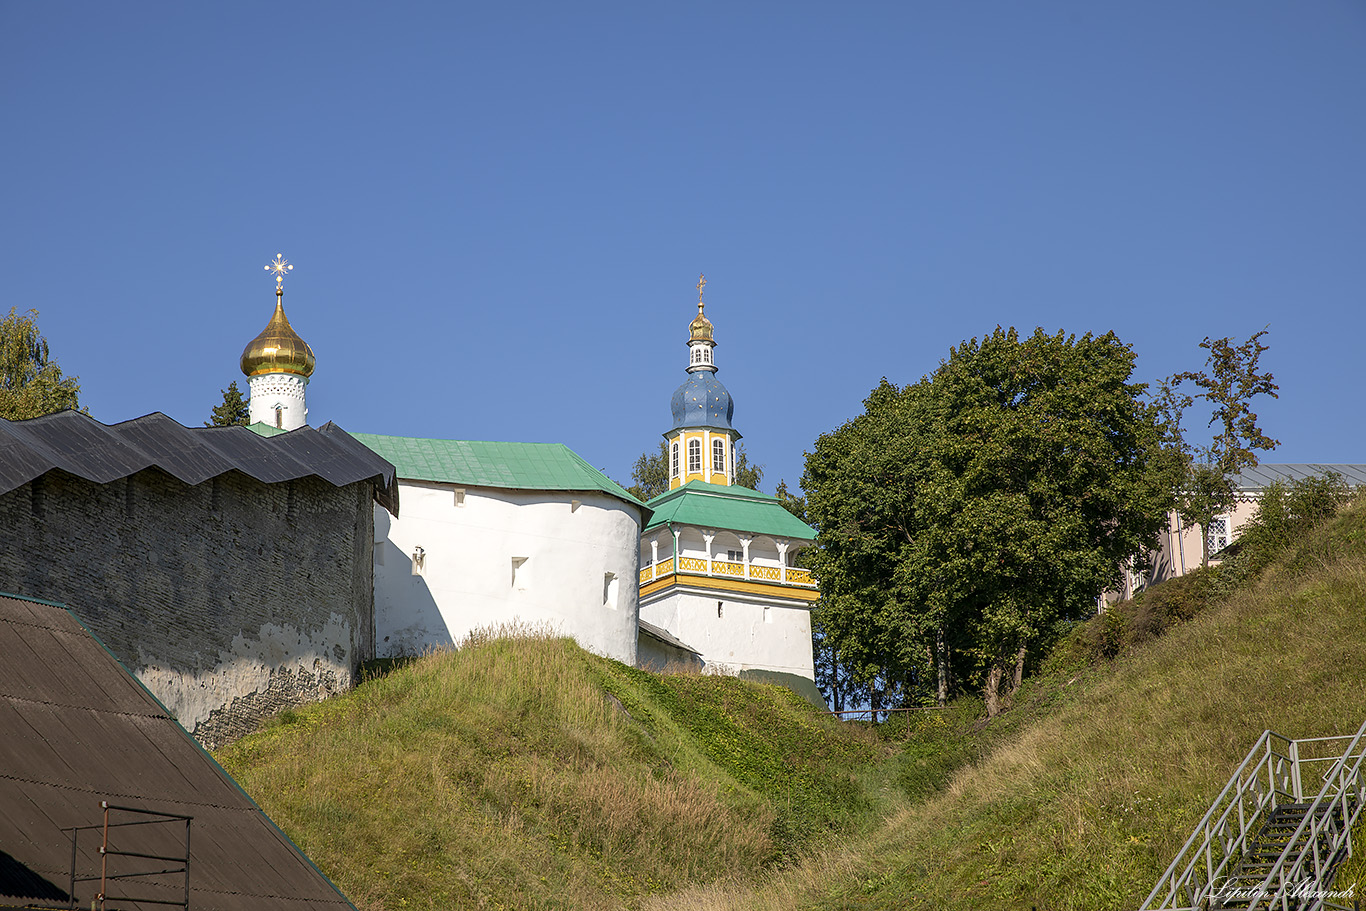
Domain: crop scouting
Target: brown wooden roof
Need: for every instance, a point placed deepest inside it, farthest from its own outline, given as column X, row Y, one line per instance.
column 76, row 729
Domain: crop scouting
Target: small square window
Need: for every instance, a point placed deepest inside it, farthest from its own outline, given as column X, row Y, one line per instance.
column 460, row 496
column 520, row 573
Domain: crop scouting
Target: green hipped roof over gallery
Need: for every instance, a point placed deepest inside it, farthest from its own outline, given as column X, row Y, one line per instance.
column 511, row 466
column 728, row 507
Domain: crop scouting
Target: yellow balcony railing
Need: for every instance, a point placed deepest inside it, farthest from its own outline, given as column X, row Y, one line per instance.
column 726, row 568
column 698, row 566
column 664, row 568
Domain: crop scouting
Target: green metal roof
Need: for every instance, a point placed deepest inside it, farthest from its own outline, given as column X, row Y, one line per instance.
column 514, row 466
column 732, row 508
column 264, row 429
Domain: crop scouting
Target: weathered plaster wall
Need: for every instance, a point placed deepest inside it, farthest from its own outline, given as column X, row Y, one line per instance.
column 578, row 573
column 230, row 599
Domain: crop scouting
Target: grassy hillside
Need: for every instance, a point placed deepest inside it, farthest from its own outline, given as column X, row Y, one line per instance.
column 525, row 773
column 1108, row 769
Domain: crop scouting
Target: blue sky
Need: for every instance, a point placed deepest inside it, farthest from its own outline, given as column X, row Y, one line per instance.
column 498, row 212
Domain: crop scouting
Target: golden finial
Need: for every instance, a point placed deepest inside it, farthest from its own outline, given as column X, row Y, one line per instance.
column 700, row 329
column 278, row 349
column 281, row 267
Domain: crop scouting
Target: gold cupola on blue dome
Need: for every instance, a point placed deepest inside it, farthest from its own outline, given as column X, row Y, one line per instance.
column 701, row 441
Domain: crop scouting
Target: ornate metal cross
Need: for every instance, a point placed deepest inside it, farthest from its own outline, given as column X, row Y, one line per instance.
column 280, row 267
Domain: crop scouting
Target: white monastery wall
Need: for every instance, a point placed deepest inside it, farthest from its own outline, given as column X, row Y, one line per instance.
column 567, row 560
column 734, row 635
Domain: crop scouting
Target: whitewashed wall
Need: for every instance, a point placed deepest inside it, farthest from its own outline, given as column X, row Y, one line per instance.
column 578, row 577
column 747, row 634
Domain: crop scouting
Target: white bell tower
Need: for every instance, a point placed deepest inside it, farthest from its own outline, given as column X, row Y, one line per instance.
column 277, row 364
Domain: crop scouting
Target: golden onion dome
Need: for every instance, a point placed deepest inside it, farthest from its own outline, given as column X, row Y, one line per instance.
column 699, row 330
column 278, row 349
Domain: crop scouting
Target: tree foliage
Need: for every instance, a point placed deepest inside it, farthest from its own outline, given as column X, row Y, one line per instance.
column 746, row 474
column 791, row 502
column 31, row 383
column 962, row 516
column 1228, row 384
column 234, row 410
column 650, row 474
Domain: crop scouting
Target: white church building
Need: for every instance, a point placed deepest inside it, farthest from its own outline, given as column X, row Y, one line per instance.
column 499, row 533
column 717, row 560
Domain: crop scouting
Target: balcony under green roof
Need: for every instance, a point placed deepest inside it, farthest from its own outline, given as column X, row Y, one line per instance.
column 729, row 507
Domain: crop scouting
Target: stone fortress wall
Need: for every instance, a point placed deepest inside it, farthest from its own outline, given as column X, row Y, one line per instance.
column 230, row 599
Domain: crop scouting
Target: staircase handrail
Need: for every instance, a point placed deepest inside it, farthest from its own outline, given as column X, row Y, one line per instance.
column 1337, row 790
column 1197, row 848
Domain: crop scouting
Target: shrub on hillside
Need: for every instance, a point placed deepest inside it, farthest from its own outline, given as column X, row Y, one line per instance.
column 1281, row 529
column 1286, row 516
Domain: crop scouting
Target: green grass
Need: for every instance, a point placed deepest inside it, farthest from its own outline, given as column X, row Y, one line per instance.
column 1081, row 800
column 523, row 772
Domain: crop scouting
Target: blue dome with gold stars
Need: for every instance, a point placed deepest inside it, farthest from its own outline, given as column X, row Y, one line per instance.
column 702, row 402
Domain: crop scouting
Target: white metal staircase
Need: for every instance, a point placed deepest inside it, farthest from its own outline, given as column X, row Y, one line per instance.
column 1267, row 843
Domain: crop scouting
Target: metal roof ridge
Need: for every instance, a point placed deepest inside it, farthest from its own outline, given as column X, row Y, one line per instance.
column 399, row 436
column 728, row 490
column 102, row 453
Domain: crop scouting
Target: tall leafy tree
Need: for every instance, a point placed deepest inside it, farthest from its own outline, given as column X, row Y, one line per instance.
column 791, row 502
column 650, row 474
column 1229, row 382
column 31, row 383
column 233, row 411
column 961, row 517
column 746, row 474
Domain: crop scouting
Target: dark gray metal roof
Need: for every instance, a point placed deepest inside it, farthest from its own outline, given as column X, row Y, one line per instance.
column 77, row 729
column 80, row 445
column 665, row 636
column 1262, row 476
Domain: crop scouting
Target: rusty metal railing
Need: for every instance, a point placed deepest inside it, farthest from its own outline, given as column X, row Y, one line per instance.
column 107, row 877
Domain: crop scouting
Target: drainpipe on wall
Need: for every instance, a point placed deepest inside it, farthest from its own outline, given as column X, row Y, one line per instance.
column 1181, row 543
